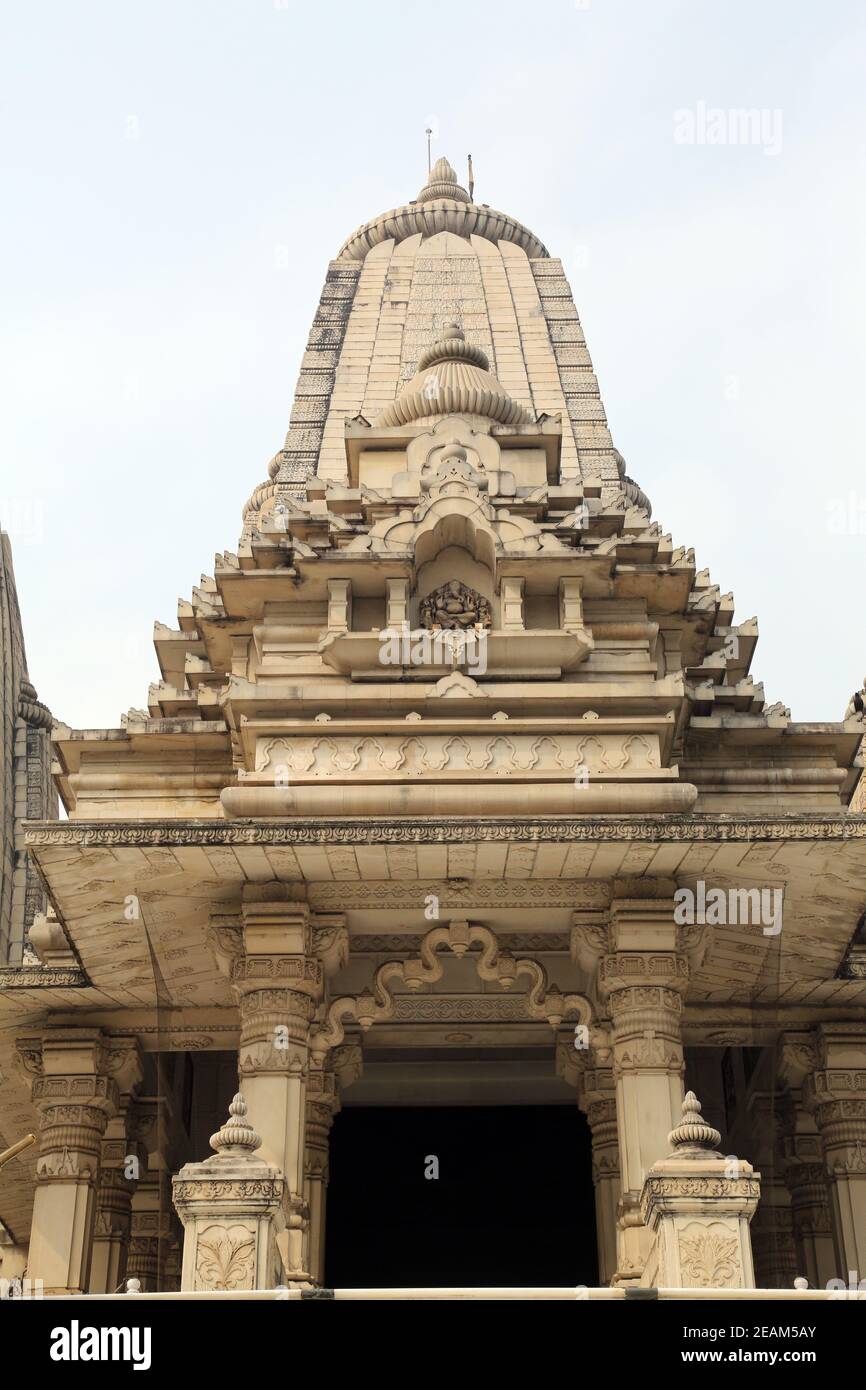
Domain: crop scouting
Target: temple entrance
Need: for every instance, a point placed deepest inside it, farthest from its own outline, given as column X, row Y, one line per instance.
column 460, row 1196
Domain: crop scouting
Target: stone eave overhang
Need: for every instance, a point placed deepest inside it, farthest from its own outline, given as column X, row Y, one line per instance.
column 200, row 866
column 841, row 741
column 337, row 696
column 842, row 828
column 152, row 735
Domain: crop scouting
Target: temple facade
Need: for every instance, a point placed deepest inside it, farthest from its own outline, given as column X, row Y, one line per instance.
column 457, row 811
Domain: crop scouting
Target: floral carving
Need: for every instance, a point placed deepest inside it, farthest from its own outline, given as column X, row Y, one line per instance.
column 709, row 1261
column 225, row 1259
column 442, row 830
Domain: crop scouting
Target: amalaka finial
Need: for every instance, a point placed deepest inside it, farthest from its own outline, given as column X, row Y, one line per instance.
column 442, row 183
column 693, row 1135
column 237, row 1135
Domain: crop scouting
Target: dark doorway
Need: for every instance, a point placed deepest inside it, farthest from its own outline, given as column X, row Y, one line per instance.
column 512, row 1206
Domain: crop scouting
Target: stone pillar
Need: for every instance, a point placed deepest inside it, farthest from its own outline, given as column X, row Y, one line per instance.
column 597, row 1092
column 589, row 1071
column 151, row 1234
column 279, row 980
column 234, row 1209
column 836, row 1093
column 122, row 1162
column 643, row 977
column 803, row 1161
column 325, row 1086
column 320, row 1117
column 773, row 1247
column 698, row 1205
column 75, row 1095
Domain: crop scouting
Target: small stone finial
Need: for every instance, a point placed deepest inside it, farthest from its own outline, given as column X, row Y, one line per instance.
column 451, row 346
column 801, row 1284
column 237, row 1135
column 442, row 183
column 693, row 1134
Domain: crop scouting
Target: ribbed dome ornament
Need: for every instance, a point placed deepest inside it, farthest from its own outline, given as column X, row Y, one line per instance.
column 453, row 347
column 453, row 378
column 442, row 183
column 237, row 1135
column 693, row 1135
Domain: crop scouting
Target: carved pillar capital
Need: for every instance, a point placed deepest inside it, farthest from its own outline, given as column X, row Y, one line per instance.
column 75, row 1093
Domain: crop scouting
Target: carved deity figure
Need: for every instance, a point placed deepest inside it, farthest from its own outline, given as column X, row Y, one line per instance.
column 454, row 605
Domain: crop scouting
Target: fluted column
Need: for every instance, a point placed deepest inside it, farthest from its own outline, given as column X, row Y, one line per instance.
column 75, row 1095
column 836, row 1093
column 805, row 1173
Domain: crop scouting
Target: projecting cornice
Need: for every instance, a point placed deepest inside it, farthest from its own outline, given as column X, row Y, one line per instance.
column 440, row 830
column 440, row 215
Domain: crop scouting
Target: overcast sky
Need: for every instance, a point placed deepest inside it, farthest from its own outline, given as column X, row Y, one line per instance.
column 176, row 176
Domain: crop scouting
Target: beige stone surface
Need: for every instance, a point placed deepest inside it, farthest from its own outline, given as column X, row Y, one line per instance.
column 433, row 759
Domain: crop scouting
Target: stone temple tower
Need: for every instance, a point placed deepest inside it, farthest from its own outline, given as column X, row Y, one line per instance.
column 455, row 788
column 393, row 286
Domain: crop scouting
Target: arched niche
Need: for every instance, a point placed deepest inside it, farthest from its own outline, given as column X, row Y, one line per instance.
column 456, row 522
column 455, row 562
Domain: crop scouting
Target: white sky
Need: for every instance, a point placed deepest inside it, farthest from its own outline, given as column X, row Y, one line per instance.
column 150, row 338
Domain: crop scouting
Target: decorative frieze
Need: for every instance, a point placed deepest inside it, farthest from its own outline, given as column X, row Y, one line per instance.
column 502, row 754
column 705, row 828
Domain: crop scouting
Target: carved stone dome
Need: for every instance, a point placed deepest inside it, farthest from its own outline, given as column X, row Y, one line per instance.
column 453, row 378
